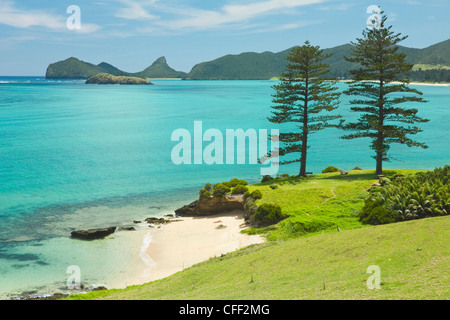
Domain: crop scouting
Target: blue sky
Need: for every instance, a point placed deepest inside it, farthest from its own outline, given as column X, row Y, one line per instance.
column 131, row 34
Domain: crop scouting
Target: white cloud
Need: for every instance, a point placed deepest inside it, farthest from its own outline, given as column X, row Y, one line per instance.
column 25, row 19
column 233, row 14
column 179, row 17
column 134, row 11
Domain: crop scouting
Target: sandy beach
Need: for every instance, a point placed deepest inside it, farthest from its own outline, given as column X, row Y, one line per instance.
column 191, row 240
column 411, row 83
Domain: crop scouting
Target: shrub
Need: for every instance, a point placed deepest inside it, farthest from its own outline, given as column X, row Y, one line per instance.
column 256, row 195
column 274, row 186
column 374, row 212
column 409, row 197
column 268, row 214
column 239, row 189
column 208, row 187
column 204, row 194
column 356, row 168
column 220, row 190
column 266, row 178
column 235, row 182
column 384, row 181
column 330, row 169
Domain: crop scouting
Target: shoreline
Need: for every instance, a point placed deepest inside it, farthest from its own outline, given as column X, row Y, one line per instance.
column 162, row 250
column 411, row 83
column 191, row 240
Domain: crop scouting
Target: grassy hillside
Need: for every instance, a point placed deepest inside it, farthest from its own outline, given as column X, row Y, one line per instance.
column 319, row 203
column 413, row 256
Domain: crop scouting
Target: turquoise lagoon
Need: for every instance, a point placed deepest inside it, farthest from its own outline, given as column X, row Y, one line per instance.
column 76, row 156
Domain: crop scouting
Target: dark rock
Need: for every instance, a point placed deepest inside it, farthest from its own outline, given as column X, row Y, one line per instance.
column 213, row 205
column 153, row 220
column 126, row 229
column 55, row 296
column 187, row 209
column 93, row 234
column 100, row 288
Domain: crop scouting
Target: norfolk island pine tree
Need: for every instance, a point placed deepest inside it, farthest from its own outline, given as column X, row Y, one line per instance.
column 300, row 99
column 381, row 76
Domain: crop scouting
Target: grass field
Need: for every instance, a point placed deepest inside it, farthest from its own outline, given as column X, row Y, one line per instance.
column 413, row 258
column 307, row 263
column 320, row 203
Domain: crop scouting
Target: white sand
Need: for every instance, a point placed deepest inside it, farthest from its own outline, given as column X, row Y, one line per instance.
column 411, row 83
column 181, row 244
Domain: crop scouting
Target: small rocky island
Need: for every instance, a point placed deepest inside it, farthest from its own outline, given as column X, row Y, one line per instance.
column 106, row 78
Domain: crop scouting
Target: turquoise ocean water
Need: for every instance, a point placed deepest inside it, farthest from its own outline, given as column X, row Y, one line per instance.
column 75, row 156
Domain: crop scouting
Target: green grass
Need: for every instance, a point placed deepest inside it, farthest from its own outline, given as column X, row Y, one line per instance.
column 413, row 258
column 319, row 203
column 425, row 67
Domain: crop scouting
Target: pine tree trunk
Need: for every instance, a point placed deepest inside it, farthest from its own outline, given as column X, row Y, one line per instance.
column 379, row 159
column 303, row 156
column 305, row 131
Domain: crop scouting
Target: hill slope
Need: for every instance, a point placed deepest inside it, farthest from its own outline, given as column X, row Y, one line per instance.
column 267, row 65
column 160, row 69
column 72, row 68
column 413, row 258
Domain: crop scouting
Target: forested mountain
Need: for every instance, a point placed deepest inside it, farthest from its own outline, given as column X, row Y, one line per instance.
column 432, row 64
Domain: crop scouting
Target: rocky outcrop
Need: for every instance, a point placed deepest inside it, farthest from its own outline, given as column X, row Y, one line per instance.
column 105, row 78
column 212, row 205
column 93, row 234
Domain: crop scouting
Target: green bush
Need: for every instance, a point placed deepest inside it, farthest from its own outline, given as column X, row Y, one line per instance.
column 330, row 169
column 208, row 187
column 204, row 194
column 256, row 195
column 274, row 186
column 384, row 181
column 374, row 212
column 235, row 182
column 239, row 189
column 416, row 196
column 268, row 214
column 266, row 178
column 220, row 190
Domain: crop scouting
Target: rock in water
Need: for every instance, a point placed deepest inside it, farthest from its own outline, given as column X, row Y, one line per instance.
column 92, row 234
column 105, row 78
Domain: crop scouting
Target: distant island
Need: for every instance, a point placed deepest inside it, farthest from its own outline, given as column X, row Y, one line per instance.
column 73, row 68
column 431, row 64
column 105, row 78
